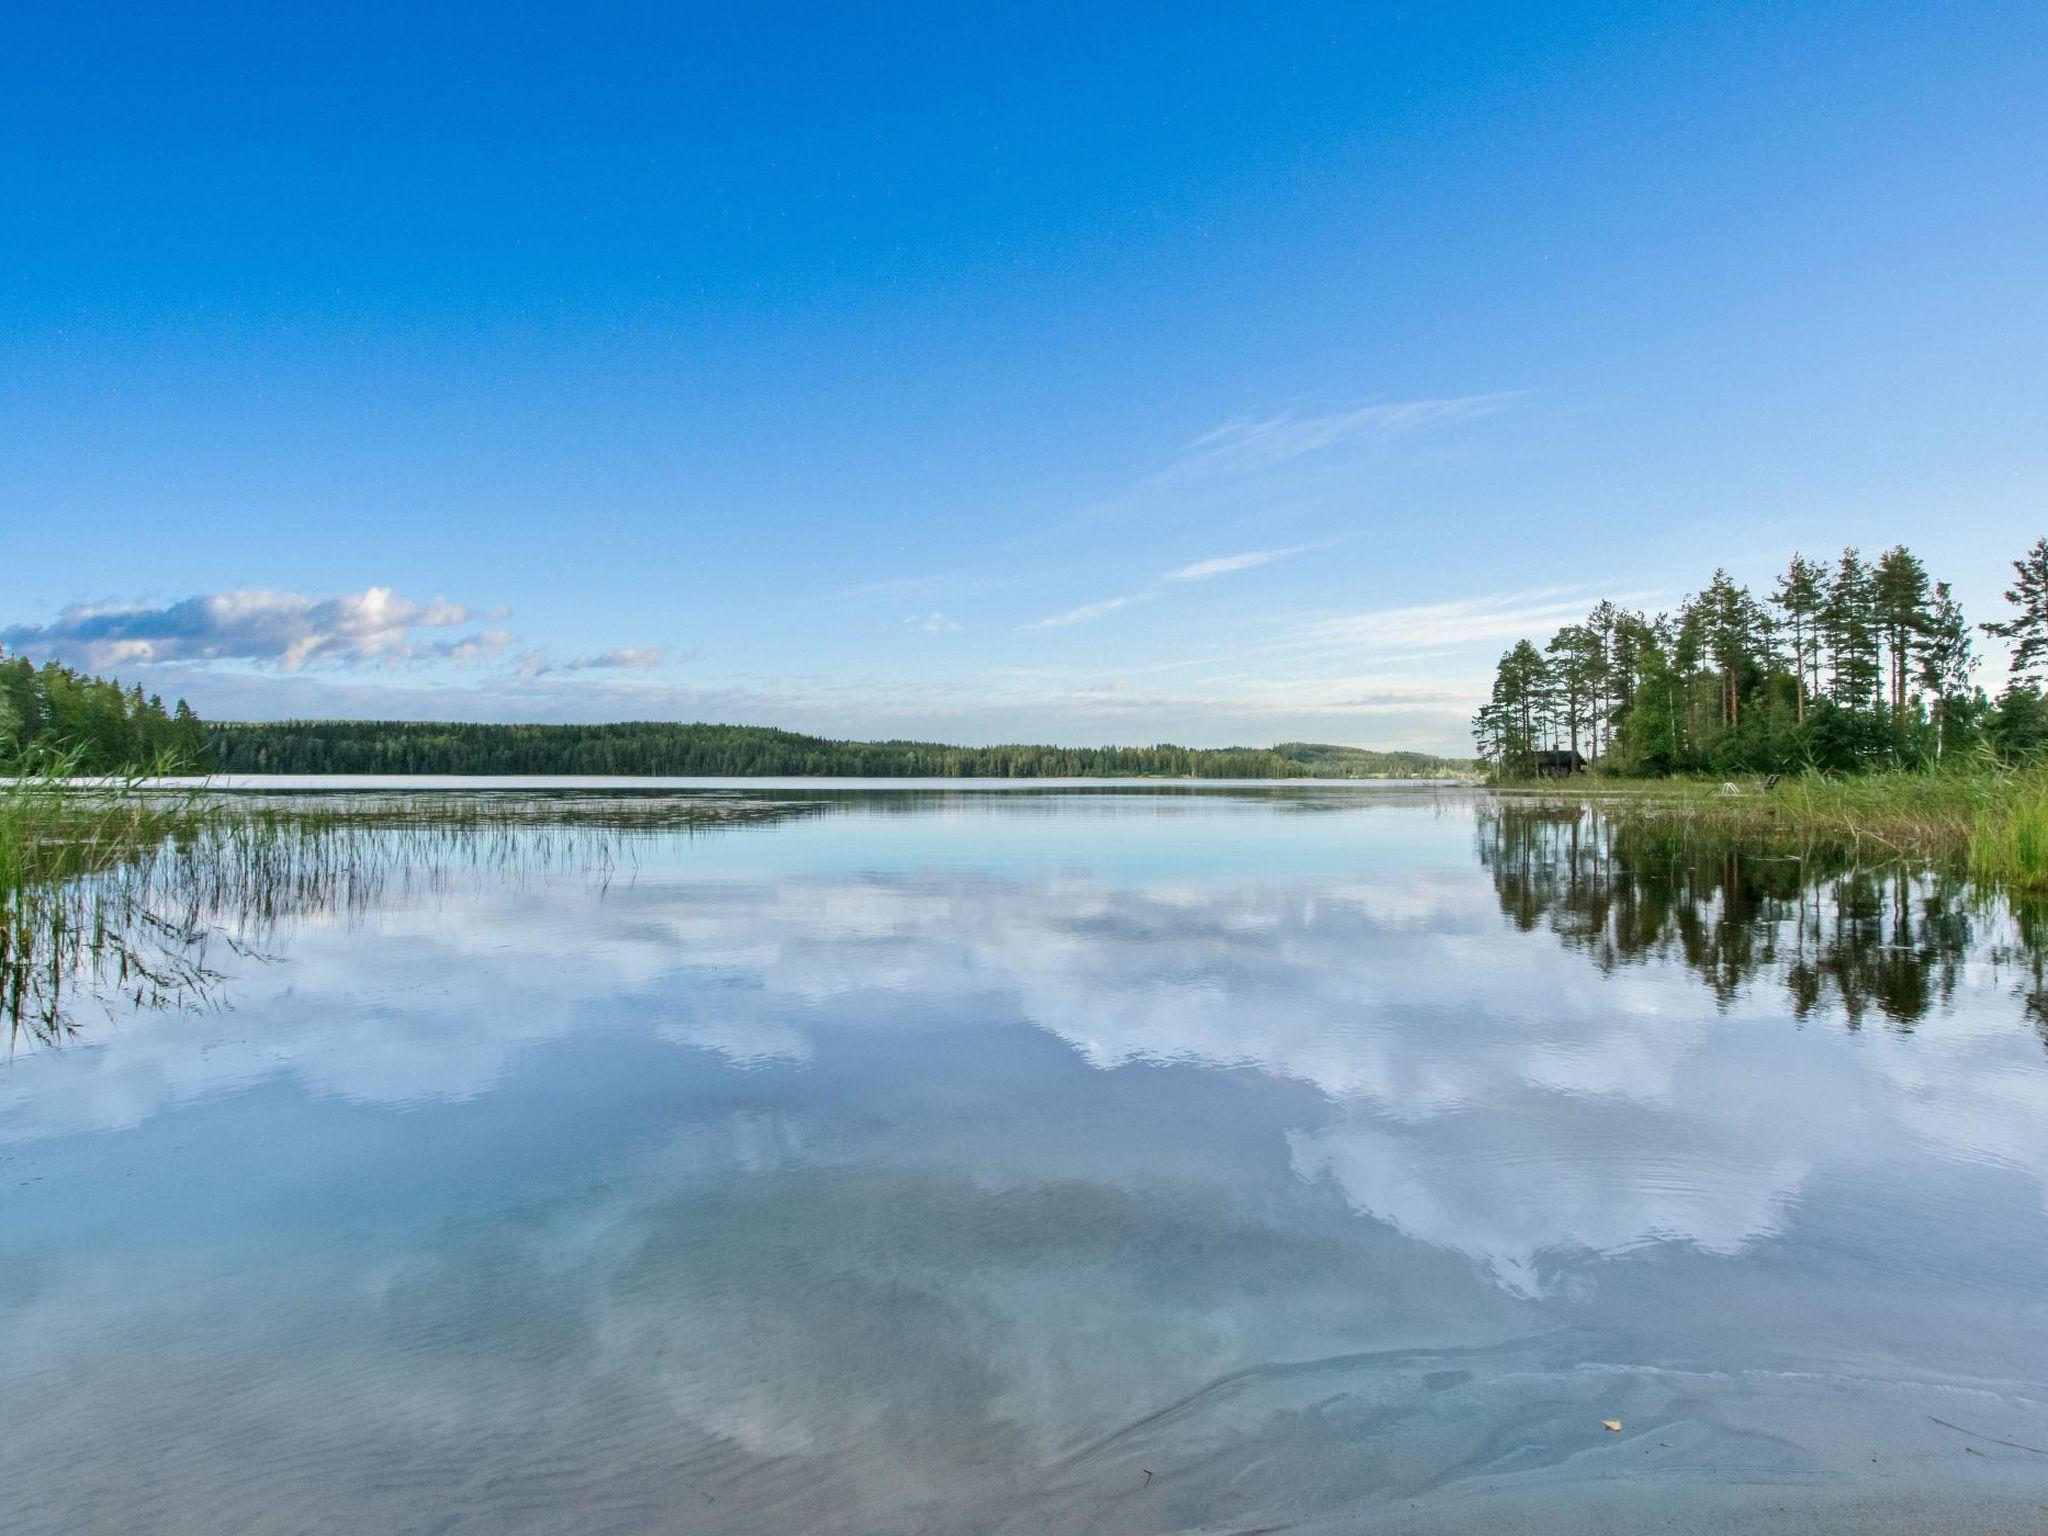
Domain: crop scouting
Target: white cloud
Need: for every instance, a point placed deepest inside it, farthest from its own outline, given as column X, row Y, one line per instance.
column 1223, row 565
column 1486, row 1092
column 294, row 632
column 1200, row 570
column 1087, row 611
column 1460, row 621
column 933, row 623
column 1248, row 445
column 630, row 658
column 286, row 630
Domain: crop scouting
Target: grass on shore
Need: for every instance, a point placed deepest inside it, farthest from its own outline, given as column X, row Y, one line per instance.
column 119, row 887
column 1991, row 817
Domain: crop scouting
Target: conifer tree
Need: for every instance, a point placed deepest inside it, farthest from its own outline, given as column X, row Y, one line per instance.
column 1899, row 607
column 1851, row 632
column 2028, row 627
column 1802, row 597
column 1946, row 662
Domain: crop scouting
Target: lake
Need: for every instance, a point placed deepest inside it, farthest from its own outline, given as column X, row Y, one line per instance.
column 1119, row 1159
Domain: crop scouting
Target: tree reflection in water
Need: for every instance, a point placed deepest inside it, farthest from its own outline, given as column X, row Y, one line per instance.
column 158, row 921
column 1839, row 930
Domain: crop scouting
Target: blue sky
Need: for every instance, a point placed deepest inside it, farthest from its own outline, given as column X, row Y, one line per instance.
column 1204, row 373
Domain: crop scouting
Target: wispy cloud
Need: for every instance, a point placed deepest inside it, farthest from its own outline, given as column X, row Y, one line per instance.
column 1200, row 570
column 1223, row 565
column 1458, row 622
column 1087, row 611
column 1251, row 444
column 285, row 630
column 630, row 658
column 933, row 623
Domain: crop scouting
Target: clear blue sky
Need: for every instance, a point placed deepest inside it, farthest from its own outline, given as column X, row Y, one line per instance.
column 1080, row 373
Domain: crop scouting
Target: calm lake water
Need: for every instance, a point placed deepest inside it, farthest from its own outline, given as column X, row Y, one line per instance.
column 1135, row 1160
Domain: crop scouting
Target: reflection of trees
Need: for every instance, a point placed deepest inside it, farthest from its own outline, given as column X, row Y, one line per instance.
column 136, row 906
column 2025, row 954
column 1839, row 934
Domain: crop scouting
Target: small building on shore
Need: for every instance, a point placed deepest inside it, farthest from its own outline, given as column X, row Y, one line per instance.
column 1560, row 762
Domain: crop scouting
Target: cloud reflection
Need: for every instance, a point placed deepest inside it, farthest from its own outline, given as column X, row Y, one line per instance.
column 1483, row 1090
column 976, row 1170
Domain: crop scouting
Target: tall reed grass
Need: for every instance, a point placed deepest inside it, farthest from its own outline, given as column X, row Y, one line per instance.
column 2009, row 842
column 1991, row 817
column 123, row 889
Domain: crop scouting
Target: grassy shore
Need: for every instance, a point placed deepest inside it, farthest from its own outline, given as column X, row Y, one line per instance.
column 1993, row 819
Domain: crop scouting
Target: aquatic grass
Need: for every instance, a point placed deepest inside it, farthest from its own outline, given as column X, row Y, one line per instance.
column 63, row 843
column 126, row 889
column 2009, row 843
column 1991, row 817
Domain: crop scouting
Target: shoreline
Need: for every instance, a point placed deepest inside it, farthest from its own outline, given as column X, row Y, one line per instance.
column 1993, row 820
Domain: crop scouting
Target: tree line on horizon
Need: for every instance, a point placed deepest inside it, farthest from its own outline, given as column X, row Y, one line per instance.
column 1841, row 666
column 654, row 748
column 55, row 716
column 92, row 724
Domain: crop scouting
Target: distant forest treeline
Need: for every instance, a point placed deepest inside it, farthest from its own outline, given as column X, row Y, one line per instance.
column 94, row 722
column 1844, row 666
column 683, row 751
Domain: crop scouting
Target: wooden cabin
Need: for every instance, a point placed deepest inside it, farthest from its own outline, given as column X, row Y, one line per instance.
column 1560, row 763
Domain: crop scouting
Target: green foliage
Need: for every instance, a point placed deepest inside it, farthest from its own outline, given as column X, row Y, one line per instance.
column 2027, row 628
column 664, row 748
column 1976, row 813
column 2019, row 728
column 1314, row 760
column 1511, row 726
column 2010, row 842
column 92, row 723
column 1847, row 668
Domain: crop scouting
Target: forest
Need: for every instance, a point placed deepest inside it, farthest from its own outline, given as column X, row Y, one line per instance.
column 663, row 748
column 1843, row 666
column 57, row 719
column 52, row 714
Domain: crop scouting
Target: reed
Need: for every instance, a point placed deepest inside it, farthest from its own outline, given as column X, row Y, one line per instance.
column 1989, row 816
column 127, row 890
column 2009, row 844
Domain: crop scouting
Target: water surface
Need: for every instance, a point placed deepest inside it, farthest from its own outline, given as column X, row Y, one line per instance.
column 1123, row 1160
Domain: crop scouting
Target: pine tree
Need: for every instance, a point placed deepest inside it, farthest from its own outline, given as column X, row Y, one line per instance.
column 1520, row 707
column 1946, row 662
column 188, row 739
column 1850, row 626
column 1574, row 668
column 1802, row 597
column 1604, row 624
column 1899, row 606
column 2028, row 627
column 1732, row 632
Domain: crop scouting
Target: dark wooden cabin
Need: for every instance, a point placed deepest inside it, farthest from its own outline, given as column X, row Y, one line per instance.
column 1560, row 763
